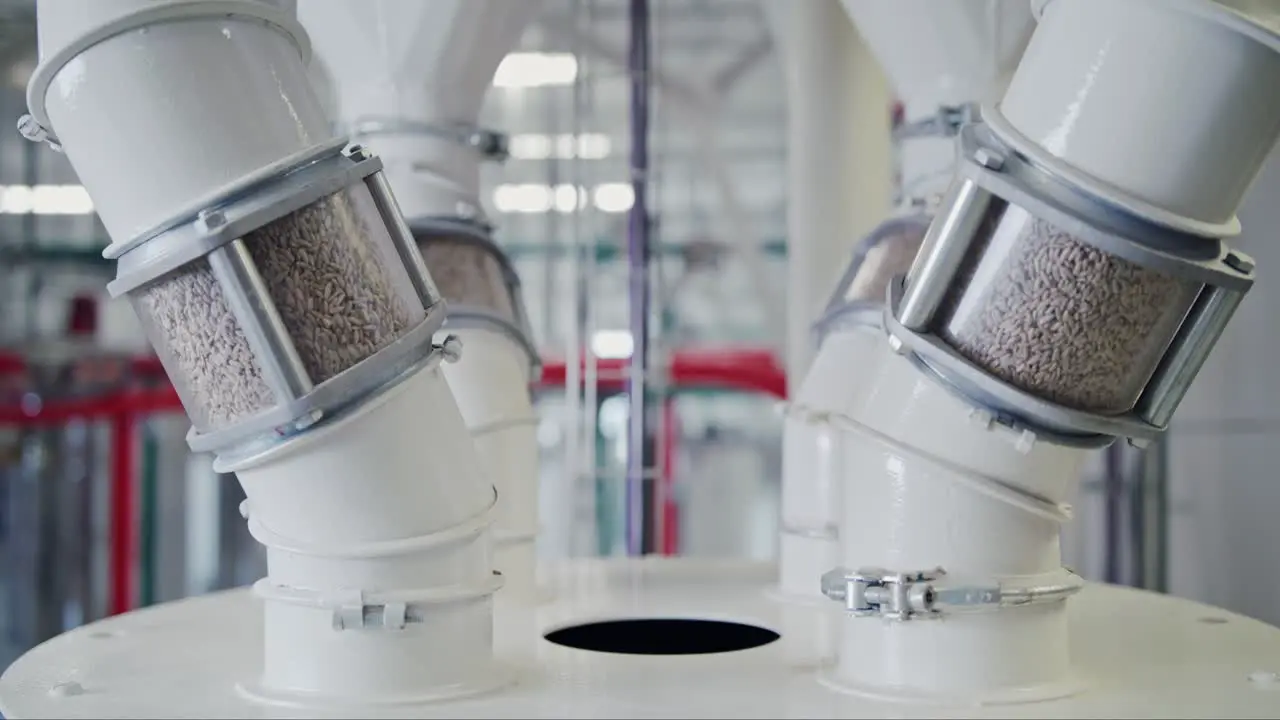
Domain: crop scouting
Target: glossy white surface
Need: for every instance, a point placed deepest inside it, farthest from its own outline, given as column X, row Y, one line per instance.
column 426, row 61
column 811, row 457
column 1138, row 654
column 386, row 506
column 839, row 161
column 938, row 54
column 490, row 383
column 159, row 119
column 929, row 484
column 1167, row 107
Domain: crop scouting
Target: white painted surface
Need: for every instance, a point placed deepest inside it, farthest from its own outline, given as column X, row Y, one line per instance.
column 812, row 473
column 424, row 61
column 1084, row 102
column 386, row 506
column 839, row 170
column 163, row 106
column 928, row 484
column 939, row 54
column 1139, row 655
column 490, row 383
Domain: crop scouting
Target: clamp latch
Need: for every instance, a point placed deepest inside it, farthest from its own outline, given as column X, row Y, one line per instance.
column 351, row 612
column 876, row 592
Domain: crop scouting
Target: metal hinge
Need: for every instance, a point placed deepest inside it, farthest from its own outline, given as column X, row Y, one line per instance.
column 881, row 593
column 353, row 613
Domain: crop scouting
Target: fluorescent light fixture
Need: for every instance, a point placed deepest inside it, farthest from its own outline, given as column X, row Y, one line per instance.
column 533, row 69
column 537, row 199
column 44, row 200
column 612, row 344
column 587, row 146
column 614, row 197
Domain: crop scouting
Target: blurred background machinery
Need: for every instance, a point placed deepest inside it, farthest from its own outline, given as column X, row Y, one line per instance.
column 105, row 509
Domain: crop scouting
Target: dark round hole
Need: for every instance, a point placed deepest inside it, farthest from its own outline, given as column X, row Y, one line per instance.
column 662, row 636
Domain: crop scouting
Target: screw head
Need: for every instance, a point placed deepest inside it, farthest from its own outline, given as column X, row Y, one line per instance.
column 451, row 349
column 358, row 153
column 211, row 220
column 895, row 344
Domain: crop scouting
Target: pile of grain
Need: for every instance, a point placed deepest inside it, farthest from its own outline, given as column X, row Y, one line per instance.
column 332, row 285
column 1060, row 318
column 467, row 274
column 202, row 347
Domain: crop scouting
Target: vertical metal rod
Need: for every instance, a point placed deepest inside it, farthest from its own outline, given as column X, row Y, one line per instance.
column 250, row 302
column 638, row 435
column 402, row 237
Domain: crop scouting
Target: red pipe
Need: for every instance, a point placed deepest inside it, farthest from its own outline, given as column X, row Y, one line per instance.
column 670, row 506
column 752, row 370
column 56, row 412
column 123, row 474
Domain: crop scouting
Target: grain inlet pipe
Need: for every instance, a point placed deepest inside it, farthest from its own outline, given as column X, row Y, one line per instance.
column 296, row 320
column 1078, row 281
column 409, row 79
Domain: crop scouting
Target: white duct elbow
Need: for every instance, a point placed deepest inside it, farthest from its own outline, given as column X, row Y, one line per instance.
column 1070, row 287
column 293, row 312
column 409, row 78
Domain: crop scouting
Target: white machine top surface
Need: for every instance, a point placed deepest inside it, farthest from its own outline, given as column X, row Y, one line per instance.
column 1139, row 655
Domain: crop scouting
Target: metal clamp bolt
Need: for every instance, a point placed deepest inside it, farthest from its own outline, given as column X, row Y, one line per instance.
column 875, row 591
column 451, row 349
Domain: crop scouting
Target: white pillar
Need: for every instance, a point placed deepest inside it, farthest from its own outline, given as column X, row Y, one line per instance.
column 838, row 166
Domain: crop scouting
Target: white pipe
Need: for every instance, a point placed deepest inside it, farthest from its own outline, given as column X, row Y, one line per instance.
column 838, row 163
column 379, row 512
column 420, row 61
column 387, row 506
column 930, row 480
column 491, row 384
column 431, row 62
column 839, row 184
column 939, row 54
column 1083, row 104
column 163, row 104
column 957, row 60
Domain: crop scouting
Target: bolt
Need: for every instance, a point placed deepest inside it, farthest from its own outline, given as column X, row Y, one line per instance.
column 358, row 153
column 834, row 584
column 988, row 159
column 210, row 220
column 1239, row 263
column 30, row 129
column 69, row 688
column 451, row 349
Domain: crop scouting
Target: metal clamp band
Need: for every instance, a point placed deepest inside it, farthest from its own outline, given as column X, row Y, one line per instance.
column 899, row 596
column 489, row 144
column 945, row 122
